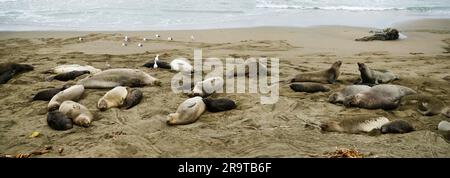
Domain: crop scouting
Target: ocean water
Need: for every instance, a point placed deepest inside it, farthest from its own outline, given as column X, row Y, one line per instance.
column 18, row 15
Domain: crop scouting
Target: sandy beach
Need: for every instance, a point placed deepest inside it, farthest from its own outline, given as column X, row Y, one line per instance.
column 284, row 129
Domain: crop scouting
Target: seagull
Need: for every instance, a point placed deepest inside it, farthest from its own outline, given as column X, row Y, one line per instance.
column 192, row 37
column 156, row 61
column 170, row 38
column 126, row 38
column 140, row 45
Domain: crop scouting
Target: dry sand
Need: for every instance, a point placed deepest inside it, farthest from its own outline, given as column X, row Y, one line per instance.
column 252, row 130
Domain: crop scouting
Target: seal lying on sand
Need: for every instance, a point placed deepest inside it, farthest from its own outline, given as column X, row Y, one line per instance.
column 219, row 105
column 259, row 69
column 71, row 93
column 8, row 70
column 427, row 105
column 119, row 77
column 73, row 67
column 325, row 76
column 374, row 76
column 207, row 87
column 188, row 111
column 354, row 125
column 387, row 34
column 383, row 96
column 58, row 121
column 348, row 91
column 47, row 95
column 79, row 114
column 397, row 126
column 68, row 75
column 309, row 87
column 118, row 97
column 181, row 65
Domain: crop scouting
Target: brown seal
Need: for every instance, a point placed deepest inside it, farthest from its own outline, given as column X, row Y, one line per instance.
column 325, row 76
column 375, row 76
column 309, row 87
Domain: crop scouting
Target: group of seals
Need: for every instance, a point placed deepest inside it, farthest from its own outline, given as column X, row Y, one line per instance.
column 63, row 110
column 8, row 70
column 120, row 97
column 385, row 35
column 385, row 96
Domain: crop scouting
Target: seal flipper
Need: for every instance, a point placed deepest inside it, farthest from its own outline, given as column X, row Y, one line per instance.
column 133, row 98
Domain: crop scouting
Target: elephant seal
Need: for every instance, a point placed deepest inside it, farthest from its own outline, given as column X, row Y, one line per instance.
column 79, row 114
column 325, row 76
column 207, row 87
column 188, row 111
column 118, row 97
column 309, row 87
column 384, row 96
column 427, row 105
column 181, row 65
column 119, row 77
column 58, row 121
column 375, row 76
column 113, row 98
column 354, row 125
column 71, row 93
column 8, row 70
column 348, row 91
column 68, row 75
column 444, row 126
column 218, row 105
column 134, row 97
column 397, row 126
column 73, row 67
column 47, row 95
column 258, row 68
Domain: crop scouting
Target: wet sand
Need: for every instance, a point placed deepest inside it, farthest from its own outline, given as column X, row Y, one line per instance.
column 284, row 129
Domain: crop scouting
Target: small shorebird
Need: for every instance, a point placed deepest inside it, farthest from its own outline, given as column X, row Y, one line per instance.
column 144, row 39
column 80, row 39
column 126, row 39
column 140, row 45
column 170, row 38
column 156, row 61
column 124, row 44
column 157, row 36
column 192, row 37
